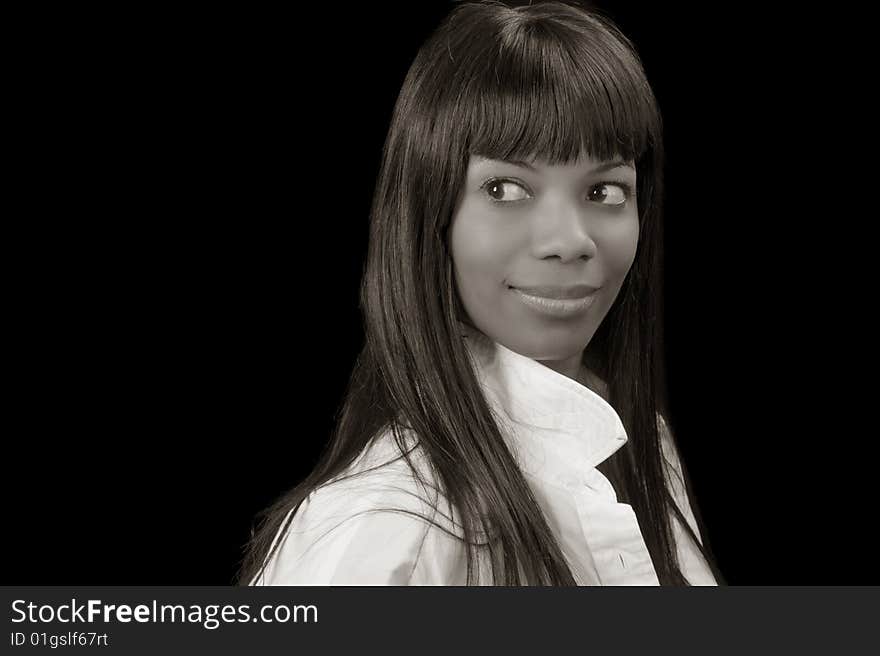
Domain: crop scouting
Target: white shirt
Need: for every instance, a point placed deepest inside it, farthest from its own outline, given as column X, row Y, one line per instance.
column 366, row 530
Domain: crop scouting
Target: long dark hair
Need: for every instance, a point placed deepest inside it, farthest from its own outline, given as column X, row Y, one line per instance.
column 548, row 81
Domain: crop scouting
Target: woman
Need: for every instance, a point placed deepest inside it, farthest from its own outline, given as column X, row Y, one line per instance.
column 503, row 423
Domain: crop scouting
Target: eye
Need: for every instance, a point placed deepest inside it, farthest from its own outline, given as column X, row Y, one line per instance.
column 504, row 191
column 611, row 193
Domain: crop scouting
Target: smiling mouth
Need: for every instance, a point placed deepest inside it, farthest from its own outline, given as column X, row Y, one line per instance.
column 561, row 307
column 558, row 292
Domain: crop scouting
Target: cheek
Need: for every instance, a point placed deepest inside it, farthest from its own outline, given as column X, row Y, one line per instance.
column 481, row 255
column 619, row 247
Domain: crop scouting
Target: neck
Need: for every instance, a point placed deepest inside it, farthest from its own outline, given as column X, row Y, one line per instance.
column 570, row 367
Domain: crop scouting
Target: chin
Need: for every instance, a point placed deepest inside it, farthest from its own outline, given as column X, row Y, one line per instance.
column 548, row 348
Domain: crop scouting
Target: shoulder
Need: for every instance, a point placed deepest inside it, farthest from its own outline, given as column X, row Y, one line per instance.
column 672, row 462
column 668, row 447
column 384, row 521
column 675, row 473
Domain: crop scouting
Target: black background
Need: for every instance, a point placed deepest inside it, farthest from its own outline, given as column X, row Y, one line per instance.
column 191, row 201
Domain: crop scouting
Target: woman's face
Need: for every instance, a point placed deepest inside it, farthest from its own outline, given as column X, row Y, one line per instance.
column 540, row 252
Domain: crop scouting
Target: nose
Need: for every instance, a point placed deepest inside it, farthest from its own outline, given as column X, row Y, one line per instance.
column 562, row 229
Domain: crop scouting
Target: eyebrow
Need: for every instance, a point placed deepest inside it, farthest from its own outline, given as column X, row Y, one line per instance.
column 605, row 166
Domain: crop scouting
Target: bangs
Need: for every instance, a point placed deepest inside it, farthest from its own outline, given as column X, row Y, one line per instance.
column 547, row 93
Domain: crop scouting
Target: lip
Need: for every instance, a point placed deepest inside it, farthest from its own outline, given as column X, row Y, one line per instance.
column 557, row 301
column 557, row 291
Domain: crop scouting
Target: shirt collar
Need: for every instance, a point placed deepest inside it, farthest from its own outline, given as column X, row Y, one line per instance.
column 557, row 427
